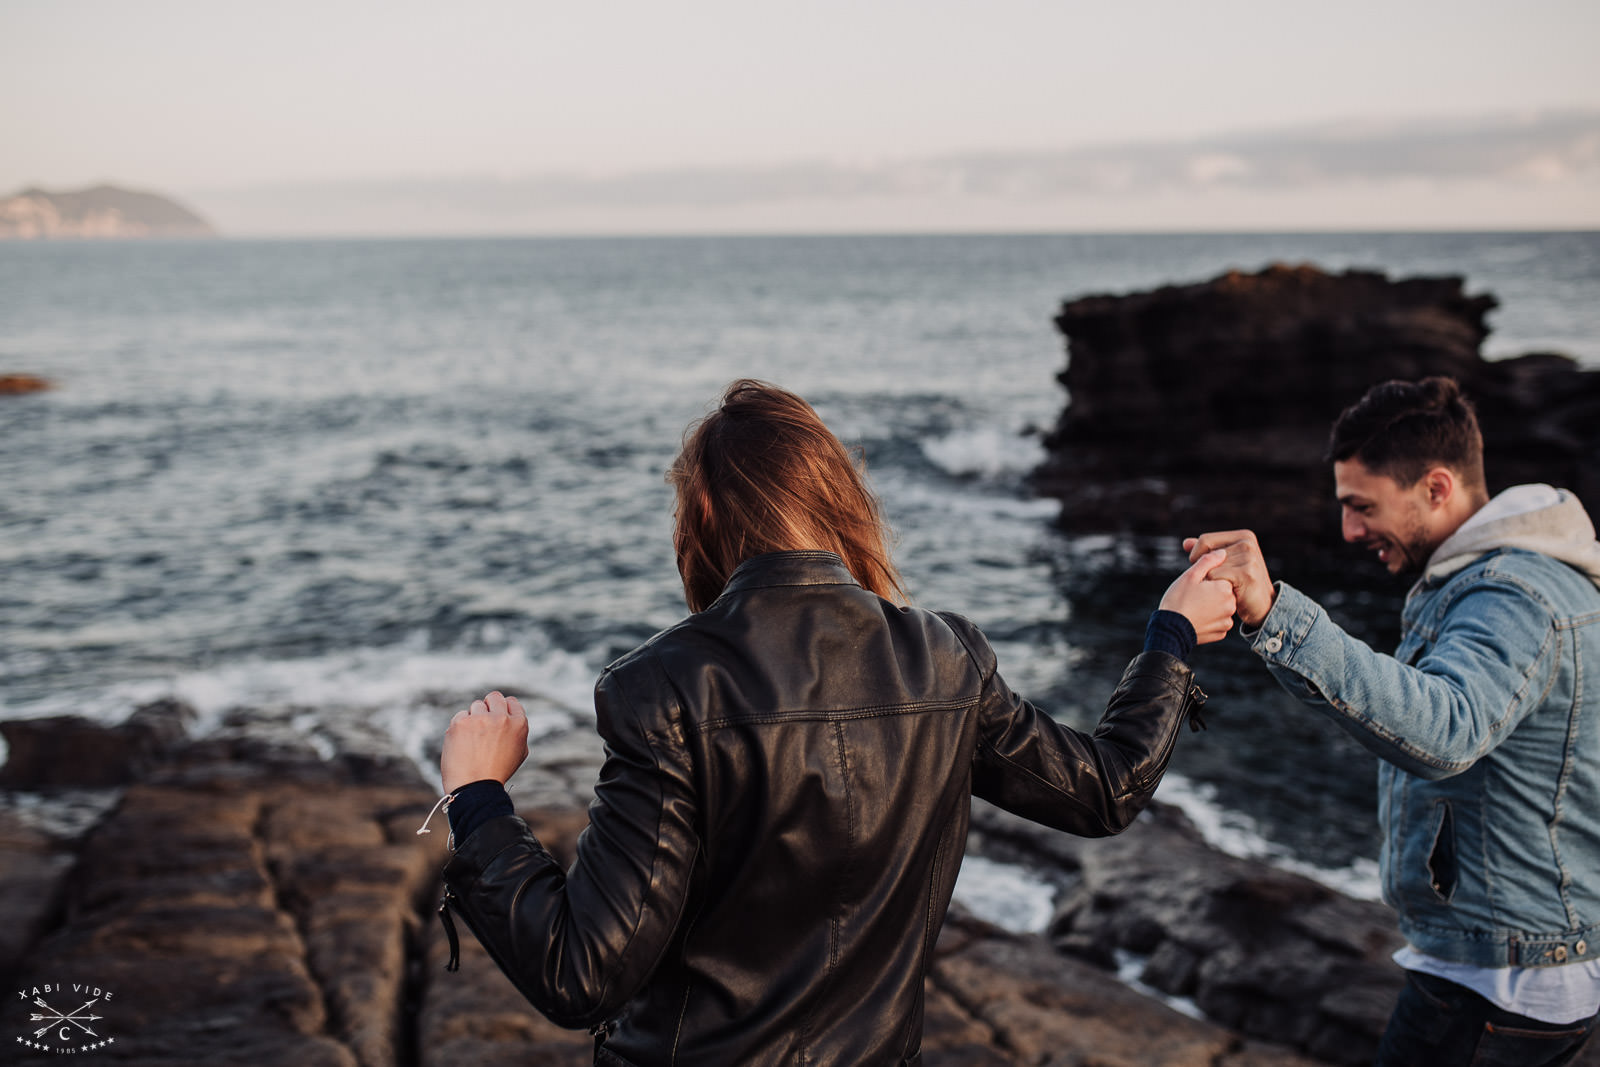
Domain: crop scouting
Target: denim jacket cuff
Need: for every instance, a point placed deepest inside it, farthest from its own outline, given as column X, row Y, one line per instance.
column 1286, row 626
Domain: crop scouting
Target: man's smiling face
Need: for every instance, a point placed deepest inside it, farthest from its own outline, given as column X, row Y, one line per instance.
column 1379, row 514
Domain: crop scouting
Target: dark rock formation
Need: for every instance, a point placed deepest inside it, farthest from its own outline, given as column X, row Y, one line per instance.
column 1263, row 951
column 1013, row 1000
column 241, row 913
column 18, row 384
column 35, row 865
column 101, row 211
column 1208, row 406
column 75, row 752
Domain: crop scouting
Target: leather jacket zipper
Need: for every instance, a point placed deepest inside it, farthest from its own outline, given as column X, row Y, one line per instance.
column 599, row 1031
column 1192, row 702
column 450, row 931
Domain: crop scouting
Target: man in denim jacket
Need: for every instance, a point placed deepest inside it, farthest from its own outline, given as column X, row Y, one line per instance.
column 1486, row 718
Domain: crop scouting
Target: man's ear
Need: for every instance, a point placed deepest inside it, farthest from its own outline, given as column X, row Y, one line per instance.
column 1442, row 485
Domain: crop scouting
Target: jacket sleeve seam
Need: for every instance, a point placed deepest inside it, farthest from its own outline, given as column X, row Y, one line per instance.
column 655, row 859
column 1052, row 787
column 1161, row 677
column 1493, row 727
column 468, row 853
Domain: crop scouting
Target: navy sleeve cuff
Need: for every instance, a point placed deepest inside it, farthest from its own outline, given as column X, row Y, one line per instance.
column 1171, row 633
column 475, row 804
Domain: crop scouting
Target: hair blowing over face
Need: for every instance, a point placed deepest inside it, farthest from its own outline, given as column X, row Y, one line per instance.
column 763, row 474
column 1401, row 429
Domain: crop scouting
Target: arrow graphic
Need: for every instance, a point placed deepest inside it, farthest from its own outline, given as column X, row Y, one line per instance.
column 76, row 1018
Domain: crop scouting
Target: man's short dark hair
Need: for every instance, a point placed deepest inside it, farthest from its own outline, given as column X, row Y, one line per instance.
column 1402, row 429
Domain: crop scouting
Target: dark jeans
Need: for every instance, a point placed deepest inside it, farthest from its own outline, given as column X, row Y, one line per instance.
column 1440, row 1024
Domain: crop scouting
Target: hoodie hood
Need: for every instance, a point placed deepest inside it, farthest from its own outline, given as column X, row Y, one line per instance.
column 1538, row 518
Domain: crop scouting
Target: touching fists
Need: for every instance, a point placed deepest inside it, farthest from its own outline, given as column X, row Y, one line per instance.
column 1207, row 604
column 1244, row 569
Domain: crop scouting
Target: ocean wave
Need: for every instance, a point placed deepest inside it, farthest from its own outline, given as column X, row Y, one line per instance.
column 908, row 499
column 987, row 452
column 1010, row 896
column 1238, row 835
column 407, row 691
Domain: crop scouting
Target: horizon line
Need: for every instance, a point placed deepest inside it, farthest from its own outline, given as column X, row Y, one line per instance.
column 1478, row 229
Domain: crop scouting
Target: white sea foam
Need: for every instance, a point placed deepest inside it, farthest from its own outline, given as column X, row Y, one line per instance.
column 398, row 687
column 1237, row 834
column 1130, row 966
column 901, row 496
column 1011, row 897
column 986, row 452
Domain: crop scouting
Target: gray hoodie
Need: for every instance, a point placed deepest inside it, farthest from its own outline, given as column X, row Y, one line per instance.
column 1538, row 518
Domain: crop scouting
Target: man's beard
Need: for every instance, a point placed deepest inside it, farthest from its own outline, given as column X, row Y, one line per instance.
column 1408, row 552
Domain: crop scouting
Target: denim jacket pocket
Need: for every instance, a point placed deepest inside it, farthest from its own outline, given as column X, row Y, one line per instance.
column 1442, row 856
column 1416, row 637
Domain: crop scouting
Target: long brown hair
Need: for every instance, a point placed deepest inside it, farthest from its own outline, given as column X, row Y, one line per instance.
column 763, row 474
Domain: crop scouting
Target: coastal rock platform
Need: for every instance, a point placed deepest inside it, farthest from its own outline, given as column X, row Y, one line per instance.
column 260, row 896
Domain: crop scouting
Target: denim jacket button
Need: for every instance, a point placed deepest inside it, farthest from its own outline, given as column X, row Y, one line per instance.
column 1274, row 644
column 1581, row 947
column 1560, row 954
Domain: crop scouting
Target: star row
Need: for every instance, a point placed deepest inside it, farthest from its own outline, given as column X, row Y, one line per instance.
column 68, row 1051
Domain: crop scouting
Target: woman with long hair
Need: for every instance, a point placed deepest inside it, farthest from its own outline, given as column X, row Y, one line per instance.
column 783, row 807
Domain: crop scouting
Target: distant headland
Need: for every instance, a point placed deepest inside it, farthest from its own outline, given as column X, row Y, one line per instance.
column 98, row 212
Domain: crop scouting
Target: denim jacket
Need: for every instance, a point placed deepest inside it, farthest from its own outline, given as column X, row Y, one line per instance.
column 1487, row 720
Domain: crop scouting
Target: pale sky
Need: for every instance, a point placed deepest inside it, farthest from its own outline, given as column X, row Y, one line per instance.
column 713, row 116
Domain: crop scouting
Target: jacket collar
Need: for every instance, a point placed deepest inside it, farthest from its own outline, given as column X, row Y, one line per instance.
column 788, row 568
column 1534, row 517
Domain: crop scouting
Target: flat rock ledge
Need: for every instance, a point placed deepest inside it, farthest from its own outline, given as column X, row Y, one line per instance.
column 260, row 896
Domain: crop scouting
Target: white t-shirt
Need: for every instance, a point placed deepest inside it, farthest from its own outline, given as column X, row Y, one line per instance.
column 1568, row 993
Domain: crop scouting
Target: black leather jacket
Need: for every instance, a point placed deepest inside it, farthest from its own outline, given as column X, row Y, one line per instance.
column 779, row 821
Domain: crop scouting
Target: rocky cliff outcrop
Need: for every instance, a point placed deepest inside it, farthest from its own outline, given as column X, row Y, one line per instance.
column 1208, row 406
column 101, row 211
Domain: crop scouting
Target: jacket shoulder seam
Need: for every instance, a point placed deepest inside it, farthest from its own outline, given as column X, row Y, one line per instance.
column 951, row 622
column 872, row 711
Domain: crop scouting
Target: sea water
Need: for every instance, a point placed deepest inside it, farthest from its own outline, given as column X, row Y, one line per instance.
column 369, row 477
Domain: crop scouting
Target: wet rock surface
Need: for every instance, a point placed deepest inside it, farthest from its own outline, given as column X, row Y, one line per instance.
column 1264, row 951
column 19, row 384
column 70, row 751
column 1207, row 406
column 257, row 898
